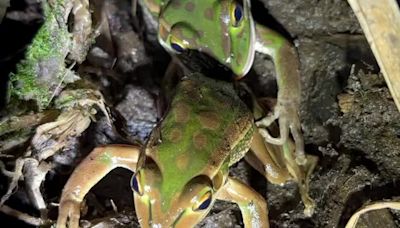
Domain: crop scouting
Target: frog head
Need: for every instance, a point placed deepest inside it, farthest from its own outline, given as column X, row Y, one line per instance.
column 178, row 202
column 223, row 29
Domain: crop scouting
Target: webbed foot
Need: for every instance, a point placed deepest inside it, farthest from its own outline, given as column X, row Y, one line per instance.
column 286, row 112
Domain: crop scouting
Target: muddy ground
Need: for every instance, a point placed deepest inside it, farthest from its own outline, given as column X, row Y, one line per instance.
column 348, row 117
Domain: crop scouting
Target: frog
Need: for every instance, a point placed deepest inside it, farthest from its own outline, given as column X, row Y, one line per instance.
column 184, row 166
column 226, row 31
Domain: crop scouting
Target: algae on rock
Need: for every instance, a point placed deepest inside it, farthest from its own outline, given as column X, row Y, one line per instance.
column 42, row 72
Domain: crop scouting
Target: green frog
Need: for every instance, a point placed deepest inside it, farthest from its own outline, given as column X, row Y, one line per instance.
column 184, row 166
column 226, row 31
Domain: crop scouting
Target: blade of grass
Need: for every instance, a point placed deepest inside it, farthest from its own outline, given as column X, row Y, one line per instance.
column 380, row 21
column 371, row 207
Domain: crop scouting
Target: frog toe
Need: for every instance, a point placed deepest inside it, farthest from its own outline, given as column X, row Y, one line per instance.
column 283, row 129
column 68, row 214
column 274, row 140
column 289, row 123
column 295, row 130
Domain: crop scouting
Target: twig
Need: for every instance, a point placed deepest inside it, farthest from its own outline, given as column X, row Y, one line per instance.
column 21, row 216
column 17, row 174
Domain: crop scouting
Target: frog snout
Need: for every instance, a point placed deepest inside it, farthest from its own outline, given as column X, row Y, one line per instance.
column 165, row 220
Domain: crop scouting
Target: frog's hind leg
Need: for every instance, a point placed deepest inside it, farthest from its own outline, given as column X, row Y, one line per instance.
column 301, row 174
column 308, row 169
column 278, row 165
column 267, row 160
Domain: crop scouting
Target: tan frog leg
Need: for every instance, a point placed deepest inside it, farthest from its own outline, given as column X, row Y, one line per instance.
column 277, row 164
column 91, row 170
column 265, row 158
column 286, row 110
column 252, row 205
column 301, row 174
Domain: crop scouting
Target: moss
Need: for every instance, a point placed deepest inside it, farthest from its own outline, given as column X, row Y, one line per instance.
column 65, row 101
column 49, row 46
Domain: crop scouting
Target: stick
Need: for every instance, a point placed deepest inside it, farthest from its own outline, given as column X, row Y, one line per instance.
column 21, row 216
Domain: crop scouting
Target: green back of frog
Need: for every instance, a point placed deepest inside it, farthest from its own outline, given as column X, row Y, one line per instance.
column 207, row 127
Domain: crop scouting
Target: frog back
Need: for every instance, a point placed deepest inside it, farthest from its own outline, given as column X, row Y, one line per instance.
column 207, row 126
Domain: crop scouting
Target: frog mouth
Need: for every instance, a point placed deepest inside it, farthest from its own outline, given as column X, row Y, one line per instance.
column 201, row 62
column 160, row 224
column 250, row 55
column 252, row 45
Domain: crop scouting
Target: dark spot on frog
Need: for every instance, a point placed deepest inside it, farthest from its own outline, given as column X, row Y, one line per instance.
column 226, row 45
column 190, row 6
column 209, row 120
column 176, row 4
column 175, row 135
column 239, row 59
column 199, row 140
column 182, row 112
column 209, row 14
column 182, row 161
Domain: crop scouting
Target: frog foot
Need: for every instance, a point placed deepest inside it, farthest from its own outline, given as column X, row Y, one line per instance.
column 287, row 115
column 68, row 214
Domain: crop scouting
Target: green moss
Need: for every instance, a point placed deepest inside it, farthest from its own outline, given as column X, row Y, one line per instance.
column 49, row 45
column 65, row 101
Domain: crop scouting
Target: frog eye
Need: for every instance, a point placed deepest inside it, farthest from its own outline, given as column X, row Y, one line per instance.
column 236, row 14
column 136, row 184
column 204, row 202
column 177, row 45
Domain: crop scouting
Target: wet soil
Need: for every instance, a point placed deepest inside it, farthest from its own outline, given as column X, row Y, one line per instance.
column 348, row 117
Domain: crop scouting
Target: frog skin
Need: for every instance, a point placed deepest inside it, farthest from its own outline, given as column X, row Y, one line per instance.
column 183, row 168
column 225, row 30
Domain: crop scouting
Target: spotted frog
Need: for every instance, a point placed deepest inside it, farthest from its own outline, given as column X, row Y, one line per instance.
column 184, row 166
column 226, row 31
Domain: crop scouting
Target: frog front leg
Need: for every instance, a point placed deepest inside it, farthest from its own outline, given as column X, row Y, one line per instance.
column 91, row 170
column 252, row 204
column 287, row 69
